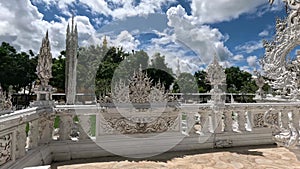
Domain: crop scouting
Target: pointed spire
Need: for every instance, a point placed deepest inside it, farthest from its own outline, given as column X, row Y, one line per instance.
column 72, row 23
column 104, row 42
column 140, row 69
column 68, row 28
column 178, row 71
column 215, row 60
column 46, row 37
column 75, row 29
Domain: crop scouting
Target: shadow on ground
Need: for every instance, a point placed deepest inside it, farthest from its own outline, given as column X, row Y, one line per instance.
column 249, row 150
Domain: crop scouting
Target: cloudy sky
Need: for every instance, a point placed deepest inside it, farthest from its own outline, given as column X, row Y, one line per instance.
column 190, row 31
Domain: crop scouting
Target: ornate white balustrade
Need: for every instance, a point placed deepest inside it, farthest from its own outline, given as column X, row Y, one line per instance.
column 23, row 130
column 39, row 136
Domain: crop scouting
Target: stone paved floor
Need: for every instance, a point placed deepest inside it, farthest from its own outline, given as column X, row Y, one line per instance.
column 261, row 158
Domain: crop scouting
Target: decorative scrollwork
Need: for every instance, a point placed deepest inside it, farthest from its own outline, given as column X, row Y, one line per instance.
column 5, row 102
column 258, row 120
column 287, row 137
column 5, row 148
column 126, row 126
column 139, row 90
column 283, row 73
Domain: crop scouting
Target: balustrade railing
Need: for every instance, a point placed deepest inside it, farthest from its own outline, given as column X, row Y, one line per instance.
column 26, row 130
column 22, row 131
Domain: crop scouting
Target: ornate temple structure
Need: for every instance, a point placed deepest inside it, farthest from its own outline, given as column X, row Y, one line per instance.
column 44, row 72
column 71, row 63
column 282, row 71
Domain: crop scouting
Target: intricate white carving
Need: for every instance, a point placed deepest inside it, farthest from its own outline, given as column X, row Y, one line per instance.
column 284, row 136
column 258, row 120
column 44, row 67
column 5, row 102
column 284, row 74
column 260, row 82
column 217, row 77
column 126, row 126
column 139, row 90
column 5, row 148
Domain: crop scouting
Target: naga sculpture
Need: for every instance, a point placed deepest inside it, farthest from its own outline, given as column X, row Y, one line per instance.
column 282, row 71
column 284, row 135
column 292, row 8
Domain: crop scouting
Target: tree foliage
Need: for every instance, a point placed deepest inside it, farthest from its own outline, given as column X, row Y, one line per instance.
column 16, row 69
column 202, row 82
column 239, row 81
column 186, row 83
column 58, row 72
column 107, row 66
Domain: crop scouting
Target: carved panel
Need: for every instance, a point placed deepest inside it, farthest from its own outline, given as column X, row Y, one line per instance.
column 125, row 126
column 223, row 143
column 5, row 148
column 258, row 120
column 272, row 118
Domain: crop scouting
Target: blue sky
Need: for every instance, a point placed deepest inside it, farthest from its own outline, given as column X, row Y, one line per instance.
column 190, row 31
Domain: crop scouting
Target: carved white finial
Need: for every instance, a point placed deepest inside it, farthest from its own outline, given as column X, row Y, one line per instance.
column 140, row 68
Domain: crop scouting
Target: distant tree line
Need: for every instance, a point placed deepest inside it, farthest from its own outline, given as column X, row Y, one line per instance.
column 99, row 66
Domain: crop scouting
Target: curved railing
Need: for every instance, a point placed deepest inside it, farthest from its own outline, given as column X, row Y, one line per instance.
column 47, row 132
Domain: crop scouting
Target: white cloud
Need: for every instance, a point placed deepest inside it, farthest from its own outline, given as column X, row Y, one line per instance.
column 126, row 41
column 226, row 64
column 252, row 61
column 209, row 11
column 264, row 33
column 98, row 6
column 166, row 45
column 238, row 57
column 23, row 27
column 249, row 47
column 245, row 68
column 118, row 9
column 202, row 39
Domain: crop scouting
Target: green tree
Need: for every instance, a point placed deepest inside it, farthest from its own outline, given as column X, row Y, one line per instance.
column 89, row 59
column 158, row 75
column 131, row 63
column 16, row 69
column 58, row 72
column 239, row 81
column 187, row 83
column 106, row 69
column 202, row 82
column 159, row 71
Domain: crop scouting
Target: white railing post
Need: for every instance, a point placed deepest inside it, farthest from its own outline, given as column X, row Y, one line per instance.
column 84, row 127
column 241, row 121
column 20, row 140
column 65, row 125
column 204, row 121
column 33, row 134
column 285, row 119
column 45, row 129
column 228, row 121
